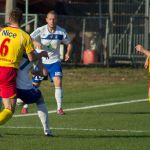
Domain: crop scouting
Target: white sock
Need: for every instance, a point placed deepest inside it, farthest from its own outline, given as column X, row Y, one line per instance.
column 25, row 106
column 43, row 115
column 58, row 96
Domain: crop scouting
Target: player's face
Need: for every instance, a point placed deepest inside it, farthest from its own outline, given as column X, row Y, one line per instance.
column 51, row 20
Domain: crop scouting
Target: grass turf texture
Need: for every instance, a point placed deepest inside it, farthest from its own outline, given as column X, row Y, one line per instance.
column 120, row 127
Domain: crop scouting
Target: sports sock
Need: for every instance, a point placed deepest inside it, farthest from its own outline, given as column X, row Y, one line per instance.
column 43, row 115
column 58, row 96
column 149, row 99
column 5, row 115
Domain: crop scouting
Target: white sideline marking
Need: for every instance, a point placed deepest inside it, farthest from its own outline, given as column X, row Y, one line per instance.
column 81, row 129
column 86, row 107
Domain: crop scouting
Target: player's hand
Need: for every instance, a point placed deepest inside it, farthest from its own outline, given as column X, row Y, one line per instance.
column 44, row 54
column 37, row 45
column 67, row 57
column 139, row 48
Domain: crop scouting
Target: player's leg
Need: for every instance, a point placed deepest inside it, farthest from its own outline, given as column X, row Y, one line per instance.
column 5, row 115
column 8, row 93
column 35, row 96
column 43, row 115
column 58, row 94
column 9, row 108
column 55, row 73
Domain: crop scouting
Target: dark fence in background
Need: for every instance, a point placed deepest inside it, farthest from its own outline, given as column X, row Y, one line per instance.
column 107, row 39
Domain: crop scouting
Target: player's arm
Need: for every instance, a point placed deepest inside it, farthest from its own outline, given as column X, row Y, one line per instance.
column 66, row 40
column 33, row 56
column 68, row 52
column 35, row 35
column 31, row 53
column 41, row 69
column 141, row 49
column 146, row 64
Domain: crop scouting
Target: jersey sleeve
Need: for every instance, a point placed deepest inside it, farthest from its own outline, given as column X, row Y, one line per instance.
column 36, row 34
column 66, row 38
column 29, row 45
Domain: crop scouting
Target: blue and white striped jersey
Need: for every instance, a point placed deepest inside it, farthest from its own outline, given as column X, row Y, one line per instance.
column 51, row 42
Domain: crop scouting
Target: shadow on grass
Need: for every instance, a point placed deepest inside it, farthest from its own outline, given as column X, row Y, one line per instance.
column 134, row 113
column 100, row 136
column 81, row 136
column 76, row 136
column 21, row 134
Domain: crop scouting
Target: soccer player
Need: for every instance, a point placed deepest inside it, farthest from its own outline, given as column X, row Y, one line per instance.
column 28, row 94
column 39, row 73
column 49, row 37
column 143, row 50
column 13, row 42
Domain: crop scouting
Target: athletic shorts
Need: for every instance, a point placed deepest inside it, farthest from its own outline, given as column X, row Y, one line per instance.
column 8, row 82
column 29, row 96
column 54, row 70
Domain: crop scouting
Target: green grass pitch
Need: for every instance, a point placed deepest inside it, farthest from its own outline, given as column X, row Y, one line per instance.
column 117, row 127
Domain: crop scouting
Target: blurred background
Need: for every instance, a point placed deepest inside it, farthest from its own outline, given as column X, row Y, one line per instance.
column 103, row 32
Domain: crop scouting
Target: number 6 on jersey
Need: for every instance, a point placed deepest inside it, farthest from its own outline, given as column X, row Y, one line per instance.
column 4, row 47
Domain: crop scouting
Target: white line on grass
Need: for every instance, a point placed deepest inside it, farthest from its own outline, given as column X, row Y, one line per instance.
column 81, row 129
column 86, row 107
column 85, row 129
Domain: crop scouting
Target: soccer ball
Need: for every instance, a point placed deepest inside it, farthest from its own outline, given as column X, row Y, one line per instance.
column 19, row 102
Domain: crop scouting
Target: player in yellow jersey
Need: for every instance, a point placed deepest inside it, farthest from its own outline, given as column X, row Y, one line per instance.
column 143, row 50
column 13, row 42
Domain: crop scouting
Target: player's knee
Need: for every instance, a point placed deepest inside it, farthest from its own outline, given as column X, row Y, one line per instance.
column 5, row 115
column 57, row 81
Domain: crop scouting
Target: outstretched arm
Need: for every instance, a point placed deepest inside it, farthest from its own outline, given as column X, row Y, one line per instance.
column 36, row 56
column 141, row 49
